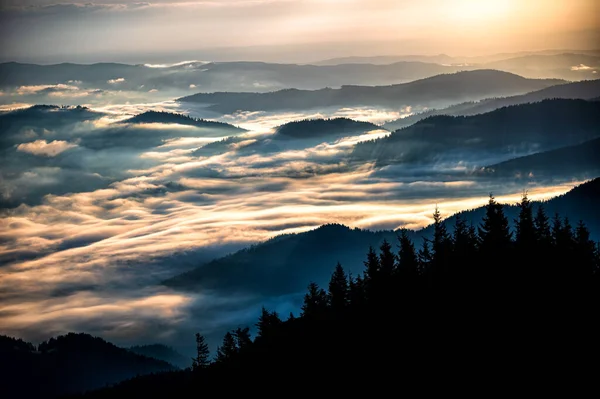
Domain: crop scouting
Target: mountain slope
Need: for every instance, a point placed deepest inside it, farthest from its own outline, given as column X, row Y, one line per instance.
column 162, row 352
column 68, row 364
column 323, row 128
column 286, row 264
column 180, row 119
column 584, row 90
column 572, row 162
column 435, row 91
column 505, row 132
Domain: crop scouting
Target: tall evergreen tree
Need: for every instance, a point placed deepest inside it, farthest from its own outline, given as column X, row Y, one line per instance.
column 371, row 265
column 267, row 321
column 387, row 260
column 242, row 338
column 408, row 262
column 585, row 252
column 356, row 292
column 542, row 229
column 425, row 257
column 494, row 232
column 228, row 349
column 338, row 290
column 524, row 225
column 315, row 301
column 202, row 359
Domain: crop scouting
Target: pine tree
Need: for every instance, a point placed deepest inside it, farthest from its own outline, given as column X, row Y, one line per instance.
column 585, row 252
column 338, row 290
column 464, row 246
column 525, row 226
column 356, row 292
column 542, row 229
column 267, row 321
column 424, row 257
column 228, row 349
column 408, row 262
column 440, row 237
column 315, row 301
column 202, row 359
column 371, row 265
column 494, row 232
column 242, row 338
column 387, row 260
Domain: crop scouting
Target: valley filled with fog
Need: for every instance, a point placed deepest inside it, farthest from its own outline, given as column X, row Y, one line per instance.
column 117, row 178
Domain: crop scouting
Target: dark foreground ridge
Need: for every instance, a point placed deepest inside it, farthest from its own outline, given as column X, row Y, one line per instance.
column 481, row 306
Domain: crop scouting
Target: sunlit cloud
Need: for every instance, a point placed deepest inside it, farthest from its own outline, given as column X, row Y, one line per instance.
column 115, row 81
column 581, row 67
column 49, row 149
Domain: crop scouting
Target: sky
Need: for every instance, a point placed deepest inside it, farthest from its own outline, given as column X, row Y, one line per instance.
column 289, row 30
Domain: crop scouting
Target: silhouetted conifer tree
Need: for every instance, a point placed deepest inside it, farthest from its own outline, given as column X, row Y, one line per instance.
column 585, row 252
column 408, row 262
column 372, row 265
column 338, row 290
column 387, row 261
column 242, row 338
column 267, row 321
column 425, row 256
column 228, row 349
column 524, row 225
column 542, row 229
column 315, row 301
column 357, row 293
column 202, row 359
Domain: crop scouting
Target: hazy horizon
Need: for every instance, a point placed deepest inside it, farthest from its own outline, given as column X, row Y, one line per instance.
column 299, row 31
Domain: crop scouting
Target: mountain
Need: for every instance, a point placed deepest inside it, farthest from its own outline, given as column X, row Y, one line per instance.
column 568, row 66
column 439, row 90
column 14, row 124
column 245, row 76
column 447, row 59
column 68, row 364
column 575, row 162
column 506, row 132
column 389, row 59
column 180, row 119
column 284, row 264
column 323, row 128
column 20, row 74
column 585, row 90
column 162, row 352
column 287, row 263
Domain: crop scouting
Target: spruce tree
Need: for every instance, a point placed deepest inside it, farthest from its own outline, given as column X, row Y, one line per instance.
column 408, row 262
column 338, row 290
column 525, row 226
column 228, row 349
column 202, row 358
column 315, row 301
column 494, row 232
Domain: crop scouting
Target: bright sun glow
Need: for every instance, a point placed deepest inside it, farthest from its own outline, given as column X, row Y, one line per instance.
column 482, row 10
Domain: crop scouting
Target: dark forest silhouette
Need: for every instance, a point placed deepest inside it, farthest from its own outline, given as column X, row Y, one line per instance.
column 478, row 304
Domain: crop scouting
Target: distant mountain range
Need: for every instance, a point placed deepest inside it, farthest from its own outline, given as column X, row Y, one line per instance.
column 68, row 364
column 585, row 90
column 559, row 64
column 440, row 90
column 287, row 263
column 447, row 59
column 508, row 131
